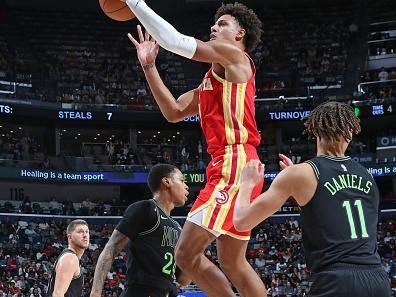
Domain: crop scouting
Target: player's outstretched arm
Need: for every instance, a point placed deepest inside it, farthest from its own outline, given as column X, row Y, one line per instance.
column 173, row 110
column 187, row 46
column 114, row 246
column 66, row 268
column 292, row 181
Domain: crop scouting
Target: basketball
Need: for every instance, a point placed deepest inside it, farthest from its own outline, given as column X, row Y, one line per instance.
column 116, row 10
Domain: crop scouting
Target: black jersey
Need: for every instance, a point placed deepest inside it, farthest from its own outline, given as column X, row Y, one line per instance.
column 76, row 285
column 153, row 236
column 339, row 224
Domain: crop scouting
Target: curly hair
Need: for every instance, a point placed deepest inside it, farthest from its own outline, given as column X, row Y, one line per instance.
column 247, row 19
column 332, row 120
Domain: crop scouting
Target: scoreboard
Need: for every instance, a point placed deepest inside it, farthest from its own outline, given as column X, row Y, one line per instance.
column 37, row 111
column 381, row 109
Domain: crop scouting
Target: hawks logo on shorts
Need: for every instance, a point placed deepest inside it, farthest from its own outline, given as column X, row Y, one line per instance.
column 222, row 197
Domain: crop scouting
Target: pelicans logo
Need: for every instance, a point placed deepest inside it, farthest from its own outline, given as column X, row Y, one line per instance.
column 222, row 197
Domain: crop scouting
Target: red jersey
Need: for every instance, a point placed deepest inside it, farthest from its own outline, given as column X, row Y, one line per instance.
column 227, row 112
column 227, row 119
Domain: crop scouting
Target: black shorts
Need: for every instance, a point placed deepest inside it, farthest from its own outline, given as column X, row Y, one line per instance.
column 343, row 280
column 147, row 291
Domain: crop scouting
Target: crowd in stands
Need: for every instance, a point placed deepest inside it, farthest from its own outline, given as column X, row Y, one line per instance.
column 29, row 249
column 187, row 152
column 101, row 69
column 379, row 75
column 96, row 64
column 311, row 53
column 383, row 48
column 16, row 147
column 66, row 207
column 378, row 85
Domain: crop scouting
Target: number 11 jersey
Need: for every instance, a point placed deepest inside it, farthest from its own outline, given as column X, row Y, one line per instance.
column 339, row 223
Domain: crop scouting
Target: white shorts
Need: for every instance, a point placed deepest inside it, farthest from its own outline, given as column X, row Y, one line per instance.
column 196, row 218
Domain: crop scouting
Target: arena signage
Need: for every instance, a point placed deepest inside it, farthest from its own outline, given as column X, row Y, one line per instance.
column 364, row 158
column 386, row 141
column 75, row 115
column 5, row 109
column 110, row 177
column 96, row 177
column 193, row 119
column 53, row 176
column 289, row 115
column 382, row 170
column 194, row 177
column 192, row 294
column 65, row 113
column 289, row 210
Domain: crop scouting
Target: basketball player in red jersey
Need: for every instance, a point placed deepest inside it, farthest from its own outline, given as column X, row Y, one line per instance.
column 225, row 103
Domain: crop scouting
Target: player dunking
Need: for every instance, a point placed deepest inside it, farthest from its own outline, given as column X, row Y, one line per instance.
column 67, row 278
column 225, row 103
column 339, row 202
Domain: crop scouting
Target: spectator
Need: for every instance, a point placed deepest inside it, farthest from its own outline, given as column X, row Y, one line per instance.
column 86, row 206
column 383, row 74
column 367, row 77
column 392, row 75
column 200, row 149
column 54, row 206
column 68, row 208
column 261, row 236
column 26, row 205
column 260, row 262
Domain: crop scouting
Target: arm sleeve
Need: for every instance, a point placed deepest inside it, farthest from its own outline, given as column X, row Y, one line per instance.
column 138, row 217
column 163, row 32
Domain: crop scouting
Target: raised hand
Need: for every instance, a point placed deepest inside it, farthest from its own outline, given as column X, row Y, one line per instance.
column 146, row 48
column 284, row 161
column 253, row 172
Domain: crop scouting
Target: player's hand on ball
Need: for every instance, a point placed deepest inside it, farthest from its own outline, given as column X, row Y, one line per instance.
column 147, row 48
column 284, row 161
column 253, row 172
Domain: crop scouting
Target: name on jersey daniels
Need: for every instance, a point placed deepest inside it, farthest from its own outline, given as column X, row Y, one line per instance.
column 170, row 236
column 75, row 115
column 348, row 181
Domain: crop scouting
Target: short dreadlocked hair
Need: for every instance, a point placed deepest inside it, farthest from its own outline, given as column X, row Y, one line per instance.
column 330, row 120
column 247, row 19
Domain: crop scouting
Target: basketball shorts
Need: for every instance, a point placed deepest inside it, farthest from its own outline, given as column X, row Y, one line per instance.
column 146, row 291
column 214, row 207
column 343, row 280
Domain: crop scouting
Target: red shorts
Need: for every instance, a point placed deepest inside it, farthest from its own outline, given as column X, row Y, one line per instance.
column 216, row 201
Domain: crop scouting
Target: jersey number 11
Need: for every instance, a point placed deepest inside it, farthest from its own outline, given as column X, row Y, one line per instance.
column 358, row 204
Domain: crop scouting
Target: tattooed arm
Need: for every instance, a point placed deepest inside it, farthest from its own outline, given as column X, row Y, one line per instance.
column 114, row 246
column 138, row 217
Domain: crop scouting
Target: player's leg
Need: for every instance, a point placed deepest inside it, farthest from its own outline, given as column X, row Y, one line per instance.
column 190, row 258
column 232, row 258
